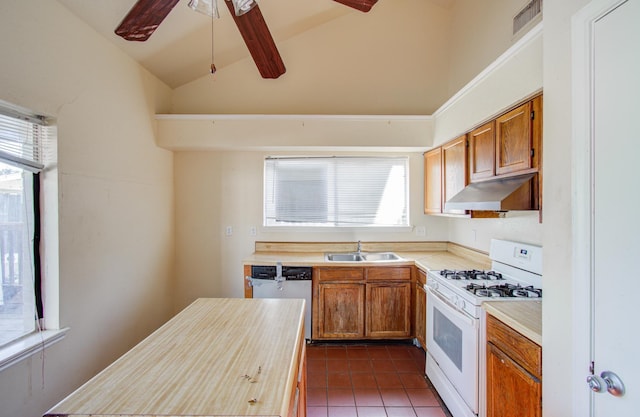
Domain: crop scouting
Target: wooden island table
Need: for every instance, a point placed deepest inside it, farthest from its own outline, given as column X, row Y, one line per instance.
column 218, row 357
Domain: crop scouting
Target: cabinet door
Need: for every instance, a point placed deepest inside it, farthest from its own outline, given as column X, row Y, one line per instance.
column 341, row 310
column 511, row 391
column 433, row 181
column 482, row 150
column 421, row 315
column 388, row 310
column 513, row 140
column 454, row 170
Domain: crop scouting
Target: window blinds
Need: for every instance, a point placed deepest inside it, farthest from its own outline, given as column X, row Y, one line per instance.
column 23, row 140
column 336, row 191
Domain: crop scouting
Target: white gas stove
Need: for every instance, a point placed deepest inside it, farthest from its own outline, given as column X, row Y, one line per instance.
column 516, row 274
column 454, row 300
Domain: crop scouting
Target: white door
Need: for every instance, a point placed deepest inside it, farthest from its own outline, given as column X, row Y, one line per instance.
column 614, row 223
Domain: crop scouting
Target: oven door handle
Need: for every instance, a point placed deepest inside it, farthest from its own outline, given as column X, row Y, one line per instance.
column 461, row 314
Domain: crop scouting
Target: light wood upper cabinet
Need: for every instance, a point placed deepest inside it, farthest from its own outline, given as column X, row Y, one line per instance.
column 433, row 181
column 454, row 170
column 482, row 152
column 514, row 140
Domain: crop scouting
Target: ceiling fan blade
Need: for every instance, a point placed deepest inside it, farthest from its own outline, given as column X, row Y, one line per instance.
column 144, row 18
column 362, row 5
column 259, row 41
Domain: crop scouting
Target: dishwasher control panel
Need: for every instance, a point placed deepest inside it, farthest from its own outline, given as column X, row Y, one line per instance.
column 290, row 273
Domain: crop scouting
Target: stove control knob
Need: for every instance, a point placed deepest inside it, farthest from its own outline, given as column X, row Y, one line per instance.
column 454, row 300
column 461, row 304
column 433, row 284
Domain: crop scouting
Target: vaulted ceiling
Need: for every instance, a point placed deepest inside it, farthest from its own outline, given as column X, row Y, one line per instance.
column 394, row 59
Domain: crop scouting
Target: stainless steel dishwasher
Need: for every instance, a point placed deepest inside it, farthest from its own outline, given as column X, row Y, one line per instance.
column 284, row 282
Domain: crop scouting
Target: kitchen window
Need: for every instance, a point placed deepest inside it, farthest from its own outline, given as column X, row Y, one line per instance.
column 24, row 146
column 336, row 191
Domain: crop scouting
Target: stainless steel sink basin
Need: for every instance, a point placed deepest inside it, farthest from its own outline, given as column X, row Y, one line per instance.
column 344, row 257
column 362, row 257
column 381, row 256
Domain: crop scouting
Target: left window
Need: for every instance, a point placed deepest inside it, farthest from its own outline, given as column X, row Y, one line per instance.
column 22, row 141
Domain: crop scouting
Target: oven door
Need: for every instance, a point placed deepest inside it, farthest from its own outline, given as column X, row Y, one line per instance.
column 452, row 341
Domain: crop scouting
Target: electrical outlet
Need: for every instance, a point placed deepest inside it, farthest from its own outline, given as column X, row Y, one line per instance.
column 421, row 231
column 228, row 231
column 253, row 231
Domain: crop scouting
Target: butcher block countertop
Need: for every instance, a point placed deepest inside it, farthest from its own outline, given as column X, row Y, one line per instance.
column 525, row 317
column 218, row 357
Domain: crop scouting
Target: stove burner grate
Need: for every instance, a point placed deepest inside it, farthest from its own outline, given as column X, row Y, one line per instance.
column 471, row 274
column 504, row 290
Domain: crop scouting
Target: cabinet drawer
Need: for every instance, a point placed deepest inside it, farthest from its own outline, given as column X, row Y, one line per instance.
column 522, row 350
column 402, row 273
column 421, row 276
column 339, row 274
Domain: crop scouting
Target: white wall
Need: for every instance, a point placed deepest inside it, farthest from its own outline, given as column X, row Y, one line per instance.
column 557, row 317
column 219, row 189
column 115, row 201
column 391, row 60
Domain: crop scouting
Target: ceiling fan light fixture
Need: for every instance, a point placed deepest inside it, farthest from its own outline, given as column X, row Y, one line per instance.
column 243, row 6
column 208, row 7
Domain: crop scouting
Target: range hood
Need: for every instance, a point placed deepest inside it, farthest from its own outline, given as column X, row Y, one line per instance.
column 512, row 193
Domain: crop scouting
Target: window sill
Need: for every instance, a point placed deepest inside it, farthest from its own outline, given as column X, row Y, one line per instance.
column 29, row 345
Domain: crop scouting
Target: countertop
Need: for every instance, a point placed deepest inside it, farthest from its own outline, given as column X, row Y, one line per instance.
column 525, row 317
column 194, row 365
column 425, row 255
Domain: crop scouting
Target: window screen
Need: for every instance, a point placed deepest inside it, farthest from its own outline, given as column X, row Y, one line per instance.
column 336, row 191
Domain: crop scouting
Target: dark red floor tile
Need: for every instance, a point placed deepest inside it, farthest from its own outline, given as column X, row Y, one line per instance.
column 340, row 397
column 399, row 352
column 316, row 352
column 317, row 380
column 422, row 398
column 316, row 366
column 339, row 380
column 357, row 353
column 314, row 411
column 413, row 380
column 371, row 412
column 342, row 412
column 316, row 397
column 395, row 397
column 406, row 365
column 363, row 380
column 336, row 352
column 383, row 366
column 389, row 380
column 400, row 412
column 429, row 412
column 369, row 397
column 360, row 366
column 337, row 365
column 379, row 353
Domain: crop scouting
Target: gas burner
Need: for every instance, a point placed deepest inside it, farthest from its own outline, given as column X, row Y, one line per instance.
column 504, row 290
column 472, row 274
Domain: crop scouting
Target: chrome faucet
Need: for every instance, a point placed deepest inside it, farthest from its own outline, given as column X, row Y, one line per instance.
column 359, row 247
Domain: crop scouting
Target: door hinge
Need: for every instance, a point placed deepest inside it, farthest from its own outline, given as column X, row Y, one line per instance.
column 533, row 114
column 592, row 368
column 532, row 152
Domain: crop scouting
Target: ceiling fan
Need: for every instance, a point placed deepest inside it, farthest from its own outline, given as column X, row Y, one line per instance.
column 146, row 15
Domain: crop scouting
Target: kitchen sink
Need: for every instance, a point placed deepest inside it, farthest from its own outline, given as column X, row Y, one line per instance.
column 362, row 257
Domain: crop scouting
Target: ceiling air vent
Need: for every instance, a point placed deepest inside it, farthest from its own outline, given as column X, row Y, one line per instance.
column 526, row 15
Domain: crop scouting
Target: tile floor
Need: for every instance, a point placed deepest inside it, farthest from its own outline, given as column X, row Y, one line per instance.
column 369, row 380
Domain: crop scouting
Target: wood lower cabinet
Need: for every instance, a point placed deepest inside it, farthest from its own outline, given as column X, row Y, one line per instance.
column 361, row 303
column 388, row 309
column 514, row 372
column 341, row 311
column 420, row 303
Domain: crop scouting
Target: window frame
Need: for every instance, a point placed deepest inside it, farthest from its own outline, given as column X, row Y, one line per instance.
column 337, row 221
